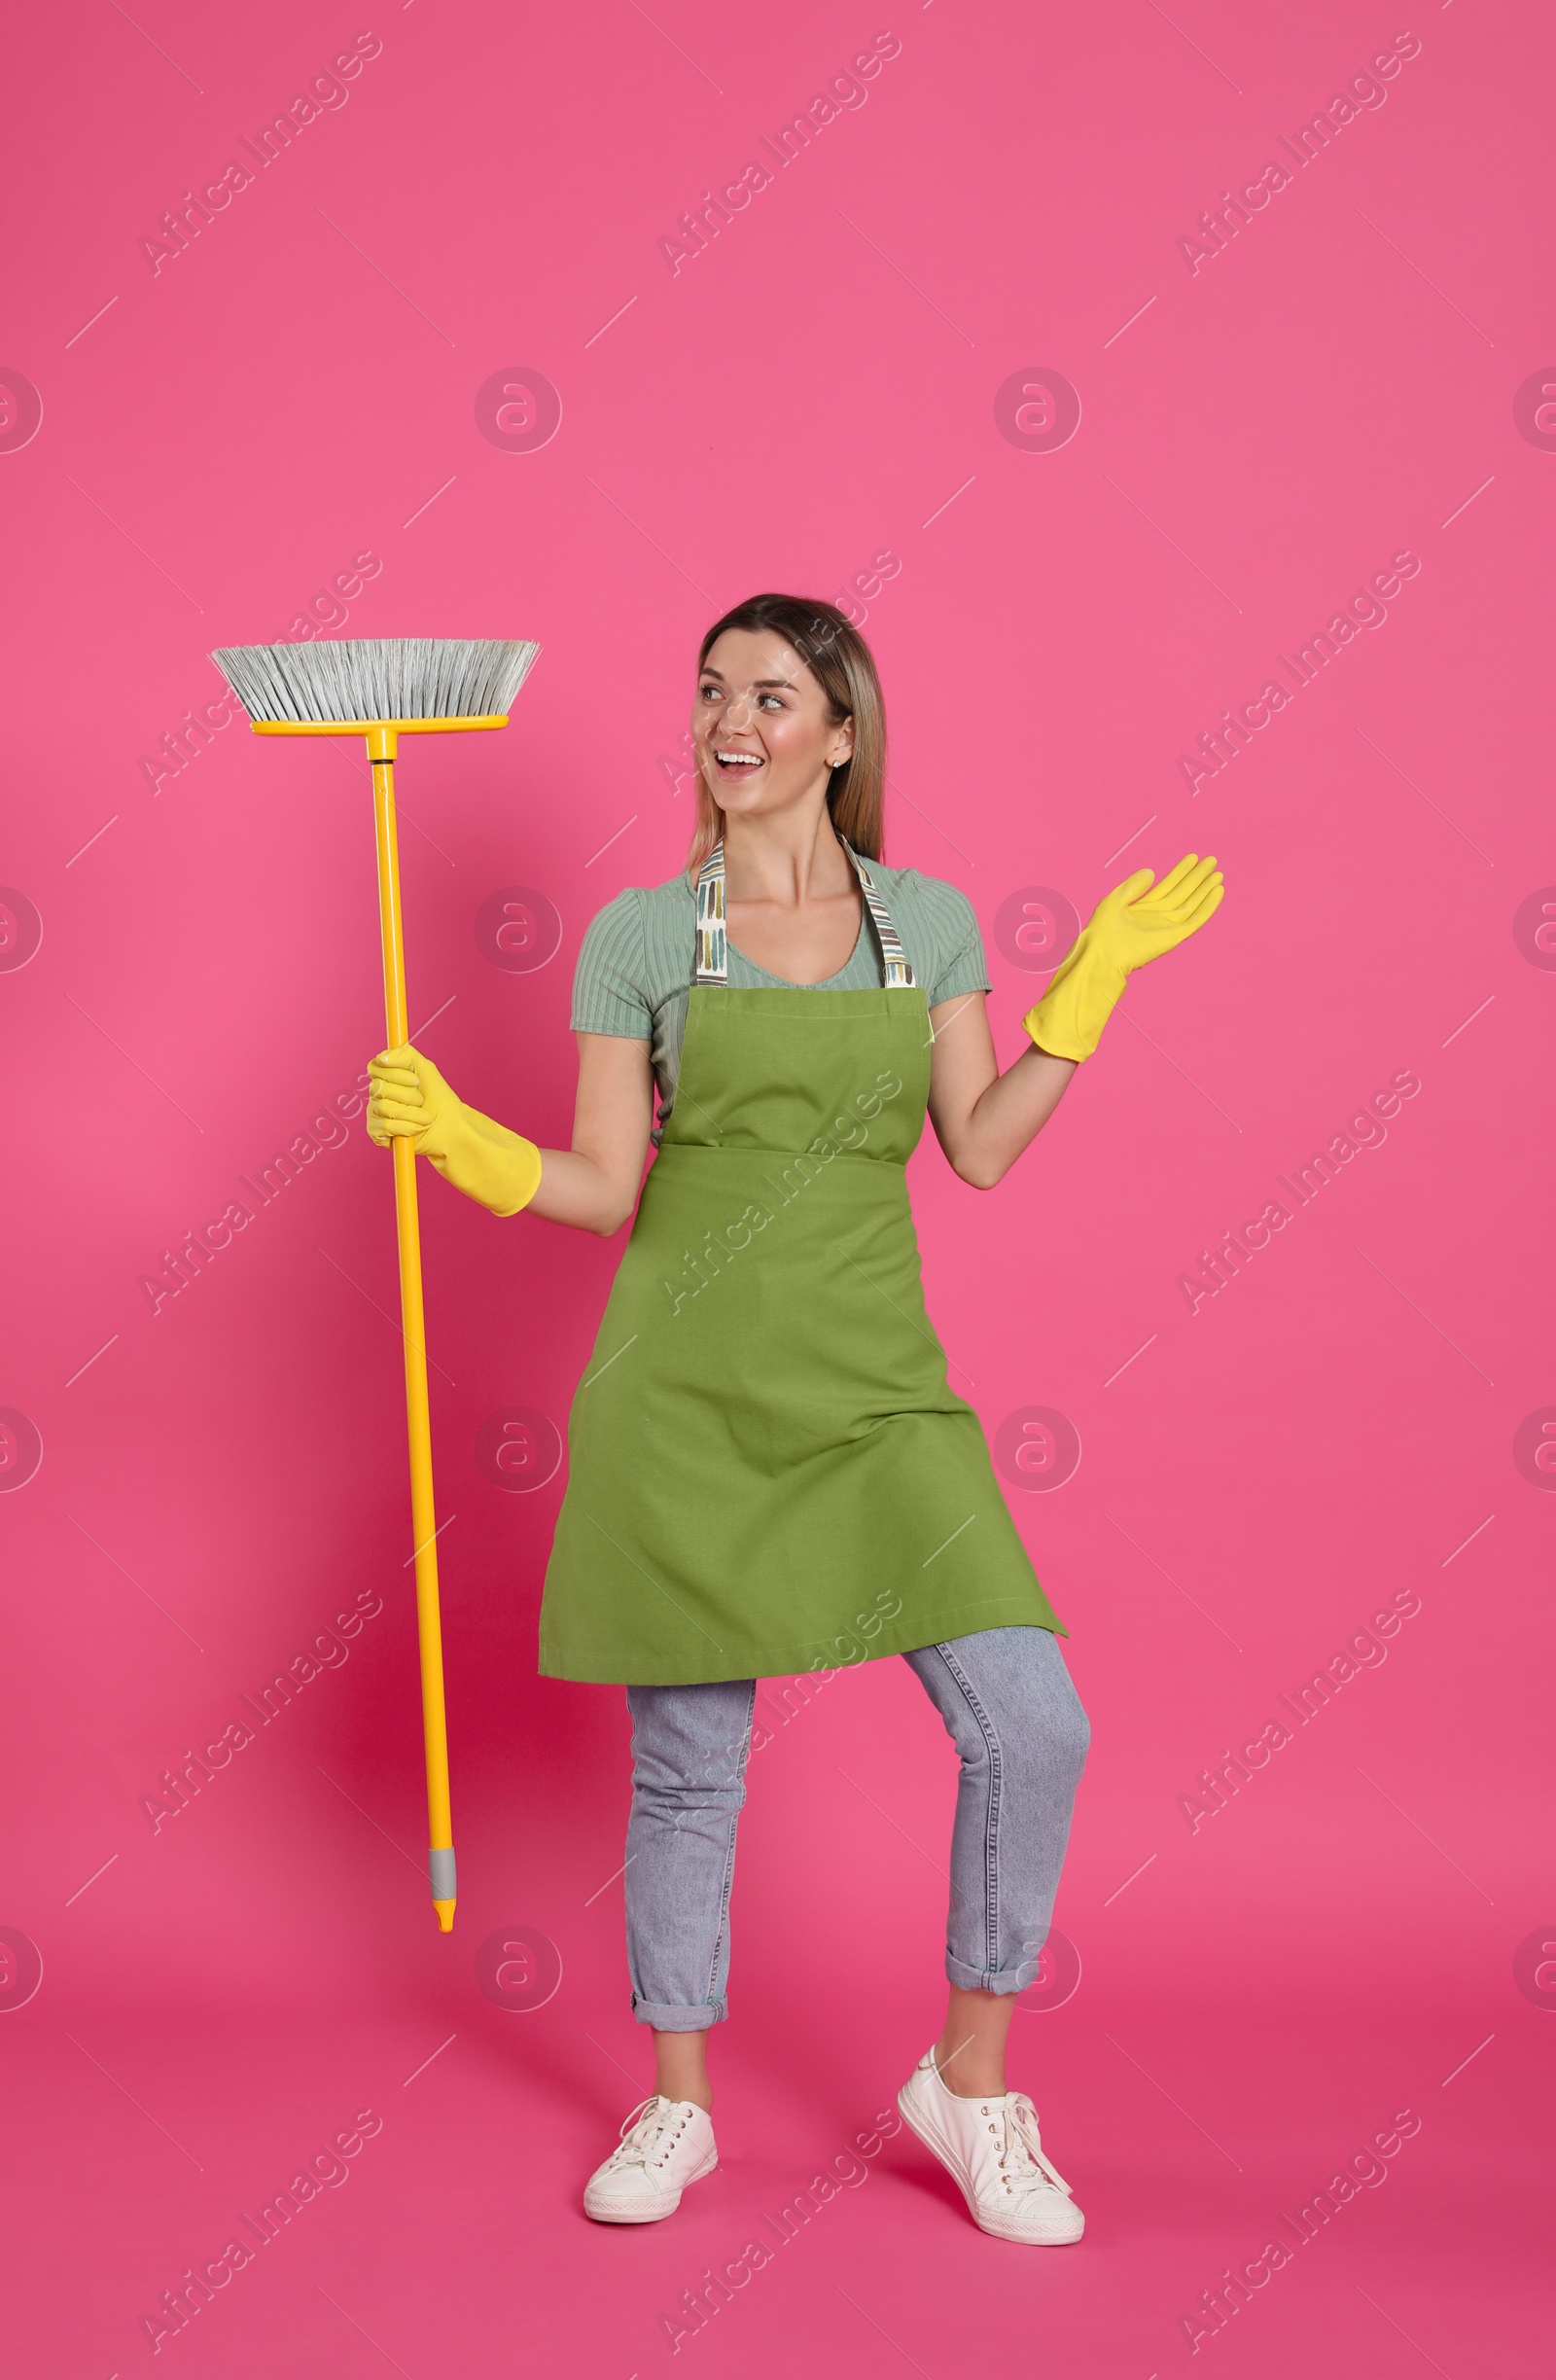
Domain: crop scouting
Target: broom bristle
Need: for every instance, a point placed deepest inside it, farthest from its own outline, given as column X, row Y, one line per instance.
column 378, row 677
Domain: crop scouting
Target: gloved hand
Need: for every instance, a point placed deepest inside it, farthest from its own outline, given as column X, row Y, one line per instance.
column 1137, row 921
column 410, row 1100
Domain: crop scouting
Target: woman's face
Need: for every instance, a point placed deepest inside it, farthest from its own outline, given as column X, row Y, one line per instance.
column 761, row 725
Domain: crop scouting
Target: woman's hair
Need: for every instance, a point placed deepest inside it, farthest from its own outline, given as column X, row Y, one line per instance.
column 838, row 657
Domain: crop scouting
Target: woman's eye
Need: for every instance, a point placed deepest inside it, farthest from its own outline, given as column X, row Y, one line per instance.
column 775, row 699
column 707, row 694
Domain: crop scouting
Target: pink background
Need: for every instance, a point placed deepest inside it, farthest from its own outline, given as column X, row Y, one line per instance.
column 220, row 437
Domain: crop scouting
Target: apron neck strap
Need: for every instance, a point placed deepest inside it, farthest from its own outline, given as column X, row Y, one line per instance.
column 713, row 947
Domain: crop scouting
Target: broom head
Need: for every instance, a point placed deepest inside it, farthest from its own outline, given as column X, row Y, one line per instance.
column 333, row 687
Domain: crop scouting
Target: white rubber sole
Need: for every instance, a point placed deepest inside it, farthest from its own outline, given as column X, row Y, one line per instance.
column 921, row 2124
column 623, row 2214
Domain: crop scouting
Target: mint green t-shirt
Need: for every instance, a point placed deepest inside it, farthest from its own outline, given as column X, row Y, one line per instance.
column 637, row 960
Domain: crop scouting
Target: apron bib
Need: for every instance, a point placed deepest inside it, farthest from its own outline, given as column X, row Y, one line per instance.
column 768, row 1470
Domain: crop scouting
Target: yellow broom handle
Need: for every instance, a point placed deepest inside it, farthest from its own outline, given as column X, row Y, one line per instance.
column 423, row 1517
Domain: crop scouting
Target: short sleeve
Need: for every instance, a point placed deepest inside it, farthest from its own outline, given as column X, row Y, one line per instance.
column 610, row 985
column 955, row 945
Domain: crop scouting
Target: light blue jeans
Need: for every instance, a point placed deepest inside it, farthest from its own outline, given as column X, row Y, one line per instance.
column 1017, row 1724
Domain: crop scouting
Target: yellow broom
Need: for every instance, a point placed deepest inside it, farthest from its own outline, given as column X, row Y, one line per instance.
column 384, row 688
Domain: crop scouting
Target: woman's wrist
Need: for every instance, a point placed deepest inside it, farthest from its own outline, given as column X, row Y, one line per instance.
column 1067, row 1022
column 500, row 1169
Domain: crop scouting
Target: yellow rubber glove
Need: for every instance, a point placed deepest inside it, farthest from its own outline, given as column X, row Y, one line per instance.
column 1137, row 921
column 410, row 1100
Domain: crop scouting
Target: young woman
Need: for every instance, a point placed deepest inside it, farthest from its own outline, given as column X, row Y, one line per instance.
column 769, row 1471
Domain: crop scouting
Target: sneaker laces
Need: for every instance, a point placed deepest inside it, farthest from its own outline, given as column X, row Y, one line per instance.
column 1023, row 2160
column 641, row 2131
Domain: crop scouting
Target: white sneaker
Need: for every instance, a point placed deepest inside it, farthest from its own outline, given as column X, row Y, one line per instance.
column 665, row 2145
column 990, row 2147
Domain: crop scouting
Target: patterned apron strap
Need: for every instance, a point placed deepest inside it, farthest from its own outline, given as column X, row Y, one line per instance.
column 713, row 947
column 897, row 974
column 713, row 950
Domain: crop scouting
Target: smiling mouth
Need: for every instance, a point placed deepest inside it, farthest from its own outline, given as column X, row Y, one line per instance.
column 732, row 764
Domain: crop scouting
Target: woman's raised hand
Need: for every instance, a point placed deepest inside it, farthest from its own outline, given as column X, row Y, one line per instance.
column 1141, row 918
column 1133, row 924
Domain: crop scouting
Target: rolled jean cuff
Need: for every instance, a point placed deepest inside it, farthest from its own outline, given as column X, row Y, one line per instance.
column 979, row 1980
column 677, row 2020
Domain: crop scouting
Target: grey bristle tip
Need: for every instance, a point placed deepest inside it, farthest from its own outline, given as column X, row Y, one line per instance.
column 377, row 677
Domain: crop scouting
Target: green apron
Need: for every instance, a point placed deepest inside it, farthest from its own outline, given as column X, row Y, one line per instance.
column 769, row 1471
